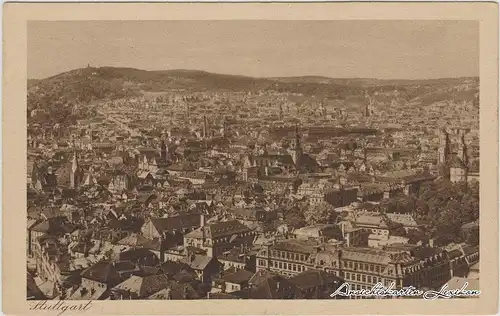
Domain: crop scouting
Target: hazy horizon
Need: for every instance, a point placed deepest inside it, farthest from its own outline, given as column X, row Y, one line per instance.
column 274, row 77
column 358, row 49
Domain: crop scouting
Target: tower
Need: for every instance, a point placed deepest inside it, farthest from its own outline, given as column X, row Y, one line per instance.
column 224, row 128
column 296, row 149
column 74, row 171
column 462, row 147
column 163, row 150
column 444, row 147
column 205, row 131
column 281, row 112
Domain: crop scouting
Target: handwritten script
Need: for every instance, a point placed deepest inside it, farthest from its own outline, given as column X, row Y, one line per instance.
column 61, row 306
column 379, row 290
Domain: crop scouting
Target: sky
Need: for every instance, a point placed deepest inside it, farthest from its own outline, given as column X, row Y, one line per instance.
column 338, row 49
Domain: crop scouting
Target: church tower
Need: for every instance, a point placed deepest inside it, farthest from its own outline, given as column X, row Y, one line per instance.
column 462, row 148
column 163, row 150
column 296, row 149
column 74, row 175
column 444, row 147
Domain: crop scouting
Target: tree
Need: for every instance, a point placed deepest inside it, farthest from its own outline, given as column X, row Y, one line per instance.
column 447, row 206
column 318, row 214
column 293, row 217
column 396, row 229
column 398, row 204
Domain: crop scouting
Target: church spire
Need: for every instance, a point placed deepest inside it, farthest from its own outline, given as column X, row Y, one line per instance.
column 74, row 171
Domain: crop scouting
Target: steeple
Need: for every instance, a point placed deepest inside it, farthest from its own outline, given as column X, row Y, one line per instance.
column 296, row 150
column 462, row 148
column 444, row 147
column 74, row 171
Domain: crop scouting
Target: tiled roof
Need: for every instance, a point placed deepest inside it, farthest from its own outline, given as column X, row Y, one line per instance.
column 103, row 272
column 314, row 278
column 238, row 277
column 224, row 229
column 198, row 262
column 134, row 240
column 172, row 268
column 366, row 255
column 169, row 224
column 295, row 246
column 144, row 286
column 176, row 291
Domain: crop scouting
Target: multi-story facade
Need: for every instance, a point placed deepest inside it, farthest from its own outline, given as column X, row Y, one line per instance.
column 361, row 267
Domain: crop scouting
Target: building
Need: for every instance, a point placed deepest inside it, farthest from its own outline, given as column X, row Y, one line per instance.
column 402, row 265
column 217, row 238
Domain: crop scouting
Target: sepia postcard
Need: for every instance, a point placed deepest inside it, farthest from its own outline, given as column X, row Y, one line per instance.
column 250, row 158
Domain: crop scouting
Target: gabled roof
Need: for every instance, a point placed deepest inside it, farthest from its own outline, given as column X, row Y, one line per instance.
column 176, row 291
column 103, row 272
column 172, row 268
column 50, row 226
column 134, row 240
column 269, row 287
column 144, row 286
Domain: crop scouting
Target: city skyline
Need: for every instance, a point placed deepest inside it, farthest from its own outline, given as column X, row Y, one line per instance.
column 261, row 48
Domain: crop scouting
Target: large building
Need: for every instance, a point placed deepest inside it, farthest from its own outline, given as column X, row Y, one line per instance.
column 402, row 265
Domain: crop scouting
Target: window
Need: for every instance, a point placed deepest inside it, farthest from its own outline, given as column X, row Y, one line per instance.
column 288, row 255
column 358, row 277
column 280, row 265
column 347, row 275
column 271, row 264
column 371, row 267
column 363, row 278
column 369, row 278
column 350, row 264
column 355, row 265
column 294, row 267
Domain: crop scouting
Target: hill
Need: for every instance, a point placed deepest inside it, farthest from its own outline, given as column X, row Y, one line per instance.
column 86, row 84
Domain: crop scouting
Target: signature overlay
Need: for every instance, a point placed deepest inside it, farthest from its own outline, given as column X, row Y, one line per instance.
column 381, row 291
column 60, row 306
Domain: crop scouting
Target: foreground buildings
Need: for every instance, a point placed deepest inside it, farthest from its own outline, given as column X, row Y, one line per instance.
column 238, row 206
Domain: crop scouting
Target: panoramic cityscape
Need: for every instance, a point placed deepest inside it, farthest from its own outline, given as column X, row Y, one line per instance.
column 184, row 182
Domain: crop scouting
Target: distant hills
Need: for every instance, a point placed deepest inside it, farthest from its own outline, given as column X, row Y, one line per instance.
column 86, row 84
